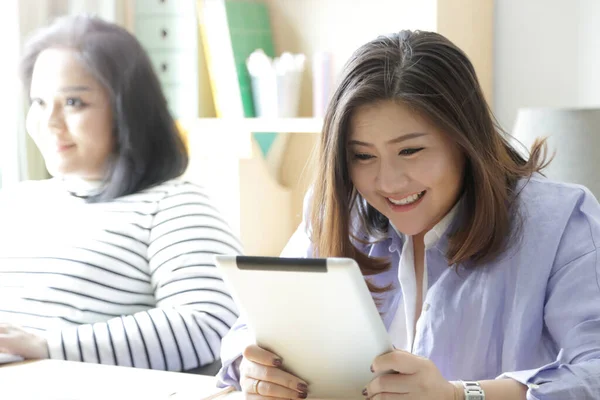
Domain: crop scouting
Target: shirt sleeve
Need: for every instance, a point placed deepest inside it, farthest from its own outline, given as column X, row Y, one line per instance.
column 572, row 317
column 194, row 310
column 299, row 246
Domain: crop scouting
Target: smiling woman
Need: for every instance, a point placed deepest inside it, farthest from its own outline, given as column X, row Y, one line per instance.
column 111, row 260
column 398, row 161
column 471, row 255
column 70, row 118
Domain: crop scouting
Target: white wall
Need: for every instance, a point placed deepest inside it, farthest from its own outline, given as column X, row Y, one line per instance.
column 589, row 53
column 546, row 54
column 340, row 27
column 10, row 167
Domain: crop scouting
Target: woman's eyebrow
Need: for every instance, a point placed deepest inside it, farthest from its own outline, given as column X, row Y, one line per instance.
column 399, row 139
column 75, row 89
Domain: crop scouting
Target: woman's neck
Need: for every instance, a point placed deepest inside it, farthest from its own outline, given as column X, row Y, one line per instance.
column 82, row 187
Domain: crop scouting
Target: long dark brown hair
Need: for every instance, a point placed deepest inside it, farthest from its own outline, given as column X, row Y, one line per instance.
column 429, row 74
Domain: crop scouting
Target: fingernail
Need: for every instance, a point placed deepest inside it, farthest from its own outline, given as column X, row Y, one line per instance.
column 364, row 392
column 372, row 370
column 278, row 362
column 303, row 387
column 302, row 395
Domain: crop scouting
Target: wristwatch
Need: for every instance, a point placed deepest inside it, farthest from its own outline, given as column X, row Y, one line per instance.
column 473, row 391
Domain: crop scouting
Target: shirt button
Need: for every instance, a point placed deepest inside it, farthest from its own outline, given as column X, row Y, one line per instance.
column 425, row 306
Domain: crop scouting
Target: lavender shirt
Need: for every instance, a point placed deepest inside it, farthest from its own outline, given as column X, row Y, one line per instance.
column 532, row 315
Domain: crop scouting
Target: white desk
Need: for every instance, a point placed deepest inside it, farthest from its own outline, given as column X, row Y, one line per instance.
column 66, row 380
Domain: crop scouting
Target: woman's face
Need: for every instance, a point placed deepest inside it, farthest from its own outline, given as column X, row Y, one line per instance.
column 70, row 118
column 403, row 166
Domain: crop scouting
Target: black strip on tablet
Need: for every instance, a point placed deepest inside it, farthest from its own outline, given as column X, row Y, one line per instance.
column 281, row 264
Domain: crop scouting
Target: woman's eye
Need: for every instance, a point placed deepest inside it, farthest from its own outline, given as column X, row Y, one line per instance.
column 362, row 156
column 37, row 101
column 74, row 102
column 408, row 152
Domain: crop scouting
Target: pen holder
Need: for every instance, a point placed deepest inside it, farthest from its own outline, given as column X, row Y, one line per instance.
column 275, row 84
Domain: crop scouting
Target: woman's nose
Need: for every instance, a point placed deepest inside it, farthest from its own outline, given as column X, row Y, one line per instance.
column 391, row 178
column 53, row 118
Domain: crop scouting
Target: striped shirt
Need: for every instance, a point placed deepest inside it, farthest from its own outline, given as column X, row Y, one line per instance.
column 129, row 282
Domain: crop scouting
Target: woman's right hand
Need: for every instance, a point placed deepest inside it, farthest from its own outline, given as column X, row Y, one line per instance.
column 261, row 377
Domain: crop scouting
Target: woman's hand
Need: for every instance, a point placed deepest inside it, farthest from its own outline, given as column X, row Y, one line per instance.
column 261, row 377
column 15, row 340
column 407, row 376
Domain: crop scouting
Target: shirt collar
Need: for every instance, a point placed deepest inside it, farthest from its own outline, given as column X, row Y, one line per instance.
column 80, row 187
column 432, row 237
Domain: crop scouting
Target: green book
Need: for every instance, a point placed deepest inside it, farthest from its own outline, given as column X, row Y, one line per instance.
column 231, row 30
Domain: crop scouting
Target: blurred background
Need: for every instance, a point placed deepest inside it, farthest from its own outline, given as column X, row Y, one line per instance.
column 251, row 125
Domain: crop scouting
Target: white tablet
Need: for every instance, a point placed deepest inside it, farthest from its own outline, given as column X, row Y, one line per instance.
column 317, row 314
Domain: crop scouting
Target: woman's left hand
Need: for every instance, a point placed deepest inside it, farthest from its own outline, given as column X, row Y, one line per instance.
column 17, row 341
column 407, row 376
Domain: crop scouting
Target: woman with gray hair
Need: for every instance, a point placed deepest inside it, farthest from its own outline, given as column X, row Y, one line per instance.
column 111, row 260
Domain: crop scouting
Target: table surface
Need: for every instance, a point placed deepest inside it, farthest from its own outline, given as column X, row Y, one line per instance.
column 68, row 380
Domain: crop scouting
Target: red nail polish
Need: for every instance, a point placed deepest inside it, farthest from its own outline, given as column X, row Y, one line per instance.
column 302, row 395
column 278, row 362
column 364, row 392
column 372, row 370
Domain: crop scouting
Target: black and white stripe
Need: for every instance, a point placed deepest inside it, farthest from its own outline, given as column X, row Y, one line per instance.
column 129, row 282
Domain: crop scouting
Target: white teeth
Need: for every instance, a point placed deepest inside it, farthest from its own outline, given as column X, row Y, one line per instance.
column 407, row 200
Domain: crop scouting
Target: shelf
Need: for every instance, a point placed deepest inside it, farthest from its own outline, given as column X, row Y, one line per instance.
column 247, row 125
column 215, row 137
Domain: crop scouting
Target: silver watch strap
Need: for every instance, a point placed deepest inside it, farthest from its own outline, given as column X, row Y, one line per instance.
column 473, row 390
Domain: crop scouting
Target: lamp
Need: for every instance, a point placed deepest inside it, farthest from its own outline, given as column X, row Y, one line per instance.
column 574, row 134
